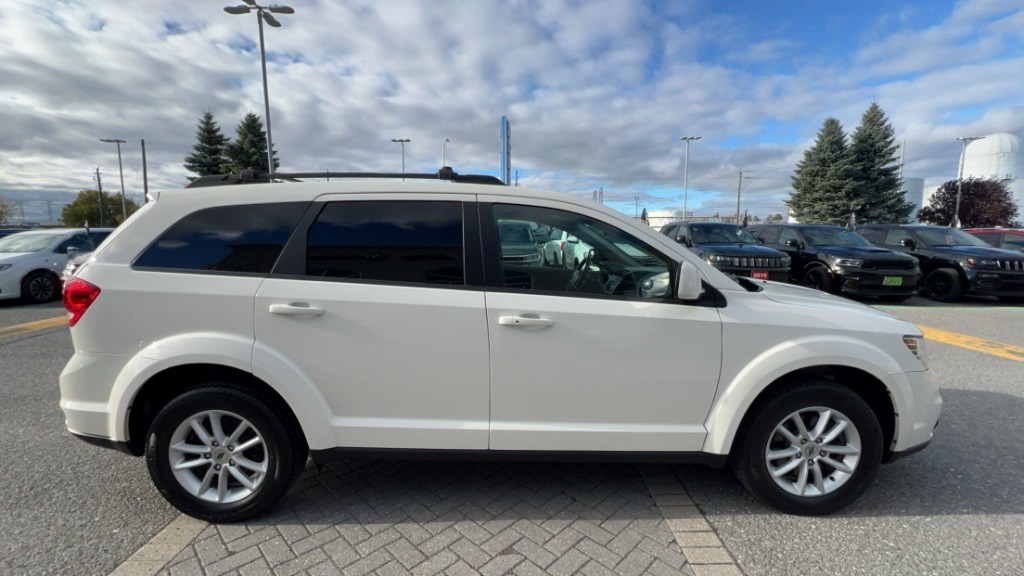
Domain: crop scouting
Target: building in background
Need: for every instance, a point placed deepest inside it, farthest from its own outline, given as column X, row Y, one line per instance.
column 999, row 156
column 913, row 191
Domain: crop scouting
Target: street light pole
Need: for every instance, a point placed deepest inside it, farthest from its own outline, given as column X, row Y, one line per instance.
column 262, row 13
column 955, row 223
column 739, row 187
column 443, row 144
column 402, row 141
column 124, row 204
column 686, row 170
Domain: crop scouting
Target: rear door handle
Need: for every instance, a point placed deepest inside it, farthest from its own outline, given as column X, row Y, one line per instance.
column 524, row 321
column 295, row 309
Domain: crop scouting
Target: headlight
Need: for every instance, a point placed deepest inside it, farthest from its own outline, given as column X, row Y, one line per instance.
column 719, row 258
column 982, row 263
column 848, row 262
column 786, row 261
column 4, row 267
column 916, row 346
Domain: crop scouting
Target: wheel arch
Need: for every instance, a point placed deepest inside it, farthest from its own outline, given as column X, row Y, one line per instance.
column 53, row 275
column 171, row 382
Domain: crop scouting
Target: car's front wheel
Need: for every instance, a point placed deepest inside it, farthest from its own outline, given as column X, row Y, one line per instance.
column 812, row 448
column 39, row 287
column 943, row 285
column 220, row 454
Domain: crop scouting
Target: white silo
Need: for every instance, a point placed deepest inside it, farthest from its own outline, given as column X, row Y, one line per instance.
column 999, row 156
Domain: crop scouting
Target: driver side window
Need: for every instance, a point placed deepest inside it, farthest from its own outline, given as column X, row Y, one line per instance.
column 580, row 256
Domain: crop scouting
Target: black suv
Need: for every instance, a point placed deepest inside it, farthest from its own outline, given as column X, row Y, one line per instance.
column 731, row 249
column 954, row 262
column 832, row 259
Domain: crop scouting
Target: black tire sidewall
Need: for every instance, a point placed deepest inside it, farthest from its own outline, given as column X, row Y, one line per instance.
column 754, row 470
column 949, row 275
column 818, row 278
column 280, row 468
column 26, row 293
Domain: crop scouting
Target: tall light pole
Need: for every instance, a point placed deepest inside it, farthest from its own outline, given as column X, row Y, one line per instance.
column 955, row 223
column 402, row 141
column 739, row 187
column 261, row 15
column 124, row 205
column 686, row 170
column 443, row 144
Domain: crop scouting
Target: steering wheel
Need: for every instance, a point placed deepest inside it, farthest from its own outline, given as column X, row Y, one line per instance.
column 579, row 274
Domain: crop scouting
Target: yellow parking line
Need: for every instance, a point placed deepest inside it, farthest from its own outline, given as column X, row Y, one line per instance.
column 1008, row 351
column 29, row 327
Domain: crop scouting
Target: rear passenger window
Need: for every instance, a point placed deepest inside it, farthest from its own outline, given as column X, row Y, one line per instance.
column 392, row 241
column 770, row 235
column 238, row 239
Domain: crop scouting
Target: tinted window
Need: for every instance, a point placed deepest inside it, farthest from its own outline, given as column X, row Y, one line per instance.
column 225, row 239
column 1011, row 241
column 788, row 234
column 990, row 237
column 770, row 235
column 595, row 259
column 896, row 235
column 829, row 236
column 874, row 236
column 396, row 241
column 948, row 237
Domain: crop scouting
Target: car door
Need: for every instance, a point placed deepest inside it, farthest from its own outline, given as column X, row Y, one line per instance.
column 378, row 303
column 601, row 358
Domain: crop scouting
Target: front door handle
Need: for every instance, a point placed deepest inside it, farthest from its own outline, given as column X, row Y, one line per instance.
column 295, row 309
column 524, row 321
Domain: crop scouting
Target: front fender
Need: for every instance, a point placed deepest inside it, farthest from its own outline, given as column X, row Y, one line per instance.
column 735, row 398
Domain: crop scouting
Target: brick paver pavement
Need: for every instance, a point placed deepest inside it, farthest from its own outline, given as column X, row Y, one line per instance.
column 425, row 518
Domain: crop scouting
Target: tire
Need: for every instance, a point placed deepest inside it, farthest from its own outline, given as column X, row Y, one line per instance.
column 39, row 287
column 943, row 285
column 819, row 279
column 222, row 482
column 831, row 482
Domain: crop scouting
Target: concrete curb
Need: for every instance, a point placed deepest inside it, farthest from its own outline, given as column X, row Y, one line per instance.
column 156, row 553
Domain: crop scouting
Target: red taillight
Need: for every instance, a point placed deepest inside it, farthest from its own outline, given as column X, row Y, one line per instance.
column 562, row 247
column 78, row 296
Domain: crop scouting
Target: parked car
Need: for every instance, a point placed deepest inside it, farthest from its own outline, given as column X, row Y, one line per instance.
column 227, row 335
column 1005, row 238
column 72, row 267
column 9, row 231
column 836, row 260
column 518, row 243
column 553, row 249
column 31, row 261
column 731, row 249
column 954, row 262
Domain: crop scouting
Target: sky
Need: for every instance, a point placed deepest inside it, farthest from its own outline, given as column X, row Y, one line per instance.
column 598, row 92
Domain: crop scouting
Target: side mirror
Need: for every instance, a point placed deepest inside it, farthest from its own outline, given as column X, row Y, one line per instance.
column 793, row 243
column 908, row 243
column 72, row 252
column 688, row 286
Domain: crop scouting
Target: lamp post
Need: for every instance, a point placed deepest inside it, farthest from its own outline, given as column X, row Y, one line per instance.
column 402, row 141
column 124, row 205
column 955, row 223
column 739, row 187
column 686, row 170
column 262, row 14
column 443, row 144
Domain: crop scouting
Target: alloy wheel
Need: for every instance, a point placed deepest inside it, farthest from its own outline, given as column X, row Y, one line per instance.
column 218, row 456
column 813, row 451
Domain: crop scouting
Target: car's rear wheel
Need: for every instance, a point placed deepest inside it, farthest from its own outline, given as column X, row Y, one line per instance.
column 221, row 455
column 39, row 287
column 819, row 279
column 810, row 449
column 943, row 285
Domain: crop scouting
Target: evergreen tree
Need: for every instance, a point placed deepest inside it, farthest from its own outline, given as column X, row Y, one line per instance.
column 249, row 149
column 823, row 181
column 983, row 203
column 877, row 192
column 207, row 155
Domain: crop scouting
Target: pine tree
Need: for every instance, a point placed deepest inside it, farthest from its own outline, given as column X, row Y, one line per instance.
column 823, row 181
column 877, row 193
column 207, row 155
column 249, row 149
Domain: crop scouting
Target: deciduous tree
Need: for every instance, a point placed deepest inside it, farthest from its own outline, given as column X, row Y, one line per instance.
column 983, row 203
column 86, row 208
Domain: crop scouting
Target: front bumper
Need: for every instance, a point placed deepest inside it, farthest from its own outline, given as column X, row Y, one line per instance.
column 775, row 275
column 862, row 282
column 919, row 405
column 995, row 283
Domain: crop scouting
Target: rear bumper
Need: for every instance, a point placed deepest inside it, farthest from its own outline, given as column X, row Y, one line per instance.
column 85, row 387
column 105, row 443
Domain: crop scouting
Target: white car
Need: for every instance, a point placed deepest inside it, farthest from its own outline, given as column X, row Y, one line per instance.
column 31, row 262
column 227, row 335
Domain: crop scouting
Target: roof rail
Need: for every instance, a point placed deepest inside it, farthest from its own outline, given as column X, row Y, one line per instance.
column 255, row 177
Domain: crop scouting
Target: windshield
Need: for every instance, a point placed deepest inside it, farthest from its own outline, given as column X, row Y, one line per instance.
column 829, row 236
column 944, row 237
column 720, row 234
column 28, row 242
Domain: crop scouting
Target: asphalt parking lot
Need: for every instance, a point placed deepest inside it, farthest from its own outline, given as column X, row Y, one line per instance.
column 70, row 508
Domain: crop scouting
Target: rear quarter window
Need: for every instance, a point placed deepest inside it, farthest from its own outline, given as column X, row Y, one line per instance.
column 230, row 239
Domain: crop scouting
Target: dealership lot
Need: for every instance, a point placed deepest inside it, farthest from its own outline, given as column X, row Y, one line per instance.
column 952, row 509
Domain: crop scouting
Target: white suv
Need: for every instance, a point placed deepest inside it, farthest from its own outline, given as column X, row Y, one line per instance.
column 225, row 331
